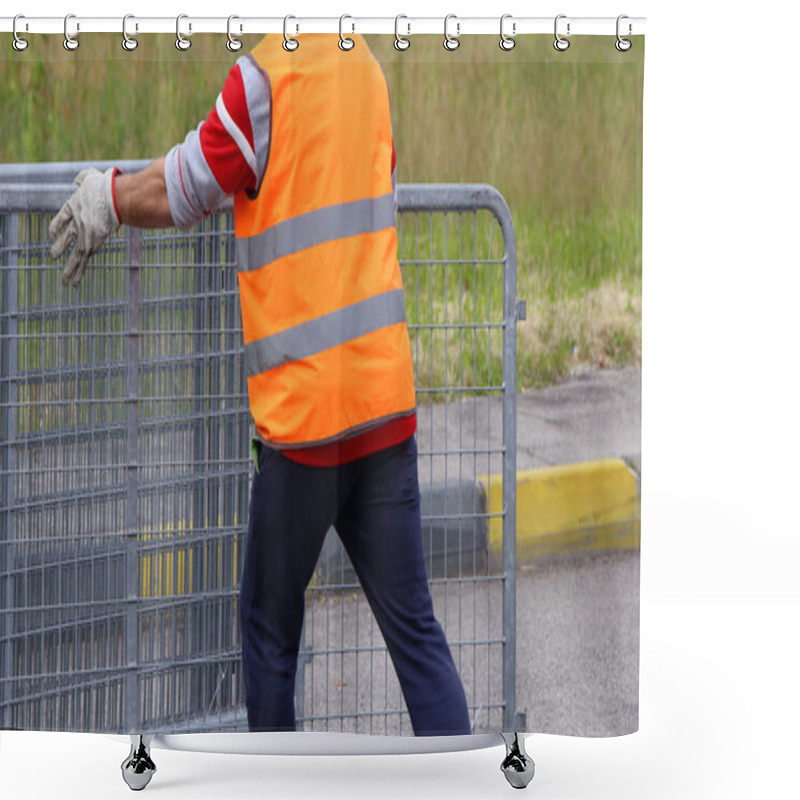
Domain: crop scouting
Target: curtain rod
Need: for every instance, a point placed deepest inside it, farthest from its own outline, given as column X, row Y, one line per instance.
column 187, row 25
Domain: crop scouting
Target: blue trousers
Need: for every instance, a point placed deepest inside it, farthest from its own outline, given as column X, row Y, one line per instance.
column 374, row 504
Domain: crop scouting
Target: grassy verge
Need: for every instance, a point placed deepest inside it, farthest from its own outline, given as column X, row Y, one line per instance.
column 582, row 280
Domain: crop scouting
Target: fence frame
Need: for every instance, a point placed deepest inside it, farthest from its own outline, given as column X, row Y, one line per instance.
column 43, row 188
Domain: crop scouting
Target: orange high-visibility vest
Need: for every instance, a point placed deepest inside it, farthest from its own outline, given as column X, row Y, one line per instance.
column 327, row 351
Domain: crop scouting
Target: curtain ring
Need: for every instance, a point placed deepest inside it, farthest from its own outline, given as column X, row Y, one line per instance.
column 506, row 42
column 400, row 42
column 450, row 42
column 289, row 44
column 561, row 44
column 19, row 43
column 623, row 45
column 182, row 43
column 70, row 42
column 232, row 44
column 129, row 43
column 345, row 43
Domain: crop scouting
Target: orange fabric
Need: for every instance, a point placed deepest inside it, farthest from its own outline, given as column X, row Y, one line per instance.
column 329, row 109
column 316, row 281
column 349, row 387
column 331, row 144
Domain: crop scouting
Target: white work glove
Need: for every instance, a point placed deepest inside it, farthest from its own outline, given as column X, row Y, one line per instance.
column 84, row 222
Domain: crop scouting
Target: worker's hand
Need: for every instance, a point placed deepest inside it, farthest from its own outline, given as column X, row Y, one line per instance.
column 84, row 222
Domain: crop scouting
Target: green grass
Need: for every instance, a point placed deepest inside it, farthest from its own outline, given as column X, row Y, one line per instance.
column 559, row 134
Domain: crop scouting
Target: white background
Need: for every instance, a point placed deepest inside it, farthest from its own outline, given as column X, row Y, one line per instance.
column 720, row 603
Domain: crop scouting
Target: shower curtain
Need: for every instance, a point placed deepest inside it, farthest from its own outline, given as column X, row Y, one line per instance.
column 128, row 447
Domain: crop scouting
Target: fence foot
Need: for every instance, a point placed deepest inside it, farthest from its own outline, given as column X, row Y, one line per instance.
column 138, row 768
column 517, row 766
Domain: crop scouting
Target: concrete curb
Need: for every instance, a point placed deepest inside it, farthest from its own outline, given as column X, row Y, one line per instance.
column 584, row 508
column 588, row 507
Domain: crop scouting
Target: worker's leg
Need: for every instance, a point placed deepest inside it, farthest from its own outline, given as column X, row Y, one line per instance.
column 381, row 529
column 291, row 508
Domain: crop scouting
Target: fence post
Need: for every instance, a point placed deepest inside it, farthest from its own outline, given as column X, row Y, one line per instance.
column 131, row 708
column 8, row 456
column 300, row 680
column 231, row 445
column 199, row 518
column 509, row 471
column 211, row 279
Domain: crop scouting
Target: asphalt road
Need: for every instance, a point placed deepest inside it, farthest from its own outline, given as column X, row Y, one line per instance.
column 577, row 652
column 592, row 414
column 578, row 645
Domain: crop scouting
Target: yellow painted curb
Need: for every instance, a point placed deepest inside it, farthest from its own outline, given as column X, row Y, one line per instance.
column 591, row 506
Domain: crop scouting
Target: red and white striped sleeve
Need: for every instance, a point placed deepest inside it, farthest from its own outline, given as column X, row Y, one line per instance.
column 227, row 153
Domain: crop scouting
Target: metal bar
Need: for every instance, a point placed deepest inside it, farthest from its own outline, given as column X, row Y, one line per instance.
column 300, row 680
column 200, row 520
column 509, row 470
column 131, row 707
column 45, row 188
column 9, row 231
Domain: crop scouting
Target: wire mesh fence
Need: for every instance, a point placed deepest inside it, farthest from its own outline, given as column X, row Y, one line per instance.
column 125, row 472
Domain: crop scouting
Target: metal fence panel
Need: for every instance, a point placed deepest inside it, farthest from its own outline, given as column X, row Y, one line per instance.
column 125, row 473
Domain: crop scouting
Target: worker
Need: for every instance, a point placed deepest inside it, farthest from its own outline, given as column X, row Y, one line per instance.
column 303, row 142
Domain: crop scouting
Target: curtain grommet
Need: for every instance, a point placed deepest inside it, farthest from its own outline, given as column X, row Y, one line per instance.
column 71, row 43
column 233, row 44
column 400, row 42
column 560, row 43
column 623, row 45
column 345, row 42
column 507, row 42
column 451, row 42
column 129, row 43
column 289, row 44
column 182, row 43
column 19, row 44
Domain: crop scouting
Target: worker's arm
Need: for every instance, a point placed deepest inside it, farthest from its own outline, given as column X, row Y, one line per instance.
column 141, row 197
column 226, row 154
column 102, row 202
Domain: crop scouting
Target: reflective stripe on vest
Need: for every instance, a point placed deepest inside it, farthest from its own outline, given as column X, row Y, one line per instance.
column 327, row 353
column 369, row 215
column 325, row 332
